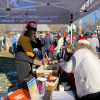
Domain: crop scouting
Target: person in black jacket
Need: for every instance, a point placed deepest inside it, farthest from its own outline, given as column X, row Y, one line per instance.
column 24, row 57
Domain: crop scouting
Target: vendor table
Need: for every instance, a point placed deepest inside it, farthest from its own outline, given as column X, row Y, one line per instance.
column 48, row 94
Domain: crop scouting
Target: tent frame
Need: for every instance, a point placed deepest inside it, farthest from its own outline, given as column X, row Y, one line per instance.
column 85, row 7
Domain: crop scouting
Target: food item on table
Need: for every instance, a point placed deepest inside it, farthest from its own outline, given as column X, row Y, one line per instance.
column 50, row 78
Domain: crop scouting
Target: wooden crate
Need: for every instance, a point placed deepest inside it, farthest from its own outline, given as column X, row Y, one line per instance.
column 42, row 70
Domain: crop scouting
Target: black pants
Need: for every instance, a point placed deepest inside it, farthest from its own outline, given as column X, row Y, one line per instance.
column 94, row 96
column 50, row 54
column 64, row 40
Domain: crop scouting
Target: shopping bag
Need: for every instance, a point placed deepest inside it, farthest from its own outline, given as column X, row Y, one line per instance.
column 52, row 47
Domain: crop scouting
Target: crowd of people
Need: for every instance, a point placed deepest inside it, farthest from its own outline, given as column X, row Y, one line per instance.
column 14, row 41
column 80, row 59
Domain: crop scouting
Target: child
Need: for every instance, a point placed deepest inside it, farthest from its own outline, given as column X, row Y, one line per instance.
column 68, row 52
column 67, row 39
column 67, row 56
column 60, row 55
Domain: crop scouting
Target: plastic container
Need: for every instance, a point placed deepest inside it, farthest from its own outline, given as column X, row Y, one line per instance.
column 41, row 83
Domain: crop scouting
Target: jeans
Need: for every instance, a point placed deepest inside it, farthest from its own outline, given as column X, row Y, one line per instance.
column 14, row 51
column 37, row 51
column 47, row 52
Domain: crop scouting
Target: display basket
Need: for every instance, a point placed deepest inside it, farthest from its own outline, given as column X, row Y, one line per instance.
column 45, row 63
column 45, row 70
column 51, row 85
column 55, row 61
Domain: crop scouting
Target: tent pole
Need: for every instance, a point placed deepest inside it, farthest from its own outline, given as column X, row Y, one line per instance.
column 71, row 33
column 27, row 7
column 3, row 4
column 7, row 3
column 80, row 26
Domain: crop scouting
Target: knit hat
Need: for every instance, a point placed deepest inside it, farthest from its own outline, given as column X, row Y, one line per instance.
column 73, row 35
column 83, row 40
column 47, row 34
column 31, row 25
column 50, row 32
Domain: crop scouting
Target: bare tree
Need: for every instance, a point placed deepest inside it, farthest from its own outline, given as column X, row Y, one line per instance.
column 57, row 27
column 94, row 19
column 7, row 28
column 91, row 20
column 77, row 26
column 3, row 28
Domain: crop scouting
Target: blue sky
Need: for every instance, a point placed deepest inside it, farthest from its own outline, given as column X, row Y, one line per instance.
column 91, row 15
column 22, row 3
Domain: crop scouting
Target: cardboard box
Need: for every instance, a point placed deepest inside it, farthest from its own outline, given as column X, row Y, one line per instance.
column 37, row 62
column 45, row 63
column 20, row 94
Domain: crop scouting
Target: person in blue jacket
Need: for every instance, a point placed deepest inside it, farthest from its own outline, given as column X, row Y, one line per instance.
column 14, row 44
column 60, row 54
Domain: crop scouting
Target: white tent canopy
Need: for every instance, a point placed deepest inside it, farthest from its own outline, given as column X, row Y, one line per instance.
column 43, row 27
column 45, row 11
